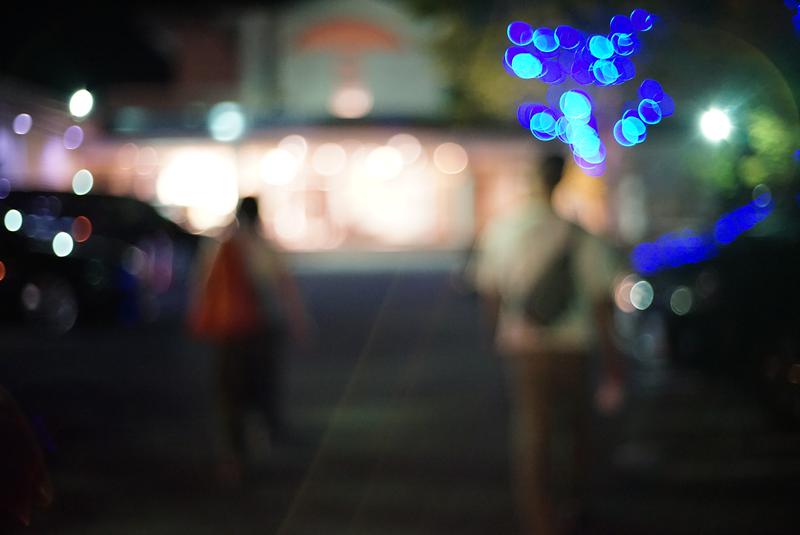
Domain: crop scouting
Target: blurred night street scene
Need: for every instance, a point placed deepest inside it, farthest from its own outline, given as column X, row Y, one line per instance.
column 400, row 267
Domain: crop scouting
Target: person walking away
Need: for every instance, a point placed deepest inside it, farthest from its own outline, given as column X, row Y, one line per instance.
column 246, row 303
column 546, row 286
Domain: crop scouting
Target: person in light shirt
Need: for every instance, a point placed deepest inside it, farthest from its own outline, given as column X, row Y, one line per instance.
column 548, row 363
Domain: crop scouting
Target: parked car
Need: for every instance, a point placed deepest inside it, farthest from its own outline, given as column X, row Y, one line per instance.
column 69, row 259
column 737, row 312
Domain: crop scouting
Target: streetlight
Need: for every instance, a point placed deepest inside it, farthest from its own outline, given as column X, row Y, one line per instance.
column 81, row 103
column 715, row 125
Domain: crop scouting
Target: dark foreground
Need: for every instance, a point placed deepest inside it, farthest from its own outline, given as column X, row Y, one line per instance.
column 400, row 426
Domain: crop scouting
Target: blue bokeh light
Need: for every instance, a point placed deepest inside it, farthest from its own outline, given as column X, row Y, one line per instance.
column 553, row 74
column 605, row 72
column 568, row 37
column 543, row 125
column 642, row 20
column 621, row 24
column 601, row 47
column 667, row 105
column 651, row 89
column 553, row 56
column 634, row 129
column 649, row 111
column 576, row 105
column 688, row 247
column 526, row 66
column 520, row 33
column 623, row 44
column 619, row 135
column 545, row 40
column 527, row 110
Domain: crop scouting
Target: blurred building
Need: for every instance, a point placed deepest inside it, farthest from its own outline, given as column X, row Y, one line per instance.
column 334, row 114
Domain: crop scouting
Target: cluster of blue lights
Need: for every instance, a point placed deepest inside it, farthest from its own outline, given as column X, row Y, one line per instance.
column 571, row 122
column 677, row 249
column 654, row 105
column 553, row 56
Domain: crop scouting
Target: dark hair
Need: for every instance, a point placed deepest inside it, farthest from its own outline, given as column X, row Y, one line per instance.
column 248, row 210
column 551, row 170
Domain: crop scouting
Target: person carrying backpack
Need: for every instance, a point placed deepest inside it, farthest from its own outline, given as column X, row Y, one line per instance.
column 546, row 286
column 245, row 304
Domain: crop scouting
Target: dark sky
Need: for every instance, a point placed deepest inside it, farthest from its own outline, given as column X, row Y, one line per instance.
column 62, row 46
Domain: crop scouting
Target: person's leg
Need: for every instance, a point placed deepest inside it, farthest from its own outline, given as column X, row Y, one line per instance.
column 573, row 397
column 230, row 401
column 267, row 376
column 531, row 435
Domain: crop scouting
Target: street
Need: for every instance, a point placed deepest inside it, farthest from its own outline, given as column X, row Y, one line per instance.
column 399, row 415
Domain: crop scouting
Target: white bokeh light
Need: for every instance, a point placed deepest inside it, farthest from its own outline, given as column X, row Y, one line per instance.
column 351, row 102
column 62, row 244
column 13, row 220
column 642, row 294
column 82, row 182
column 81, row 103
column 450, row 158
column 202, row 181
column 279, row 167
column 329, row 159
column 409, row 147
column 715, row 125
column 384, row 163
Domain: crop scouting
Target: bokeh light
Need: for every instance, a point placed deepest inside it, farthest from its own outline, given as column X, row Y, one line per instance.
column 649, row 111
column 279, row 167
column 2, row 270
column 576, row 106
column 62, row 244
column 82, row 182
column 13, row 220
column 622, row 293
column 5, row 188
column 715, row 125
column 408, row 145
column 641, row 295
column 81, row 103
column 329, row 159
column 351, row 102
column 202, row 181
column 600, row 47
column 296, row 145
column 568, row 37
column 384, row 163
column 520, row 33
column 762, row 196
column 31, row 297
column 545, row 40
column 526, row 66
column 22, row 124
column 226, row 121
column 450, row 158
column 81, row 229
column 641, row 20
column 73, row 137
column 681, row 300
column 597, row 60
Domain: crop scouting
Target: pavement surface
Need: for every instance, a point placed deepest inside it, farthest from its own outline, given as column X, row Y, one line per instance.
column 399, row 426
